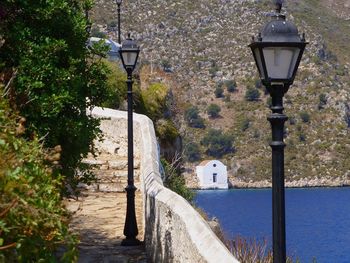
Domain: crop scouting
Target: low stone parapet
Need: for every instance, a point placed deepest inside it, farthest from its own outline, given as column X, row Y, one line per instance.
column 174, row 231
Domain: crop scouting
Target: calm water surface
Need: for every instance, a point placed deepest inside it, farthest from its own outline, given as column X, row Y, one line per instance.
column 317, row 219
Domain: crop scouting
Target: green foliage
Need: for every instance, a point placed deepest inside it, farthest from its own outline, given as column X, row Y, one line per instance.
column 292, row 120
column 192, row 117
column 116, row 85
column 244, row 124
column 192, row 152
column 213, row 110
column 258, row 84
column 57, row 77
column 112, row 23
column 175, row 182
column 219, row 92
column 166, row 65
column 33, row 222
column 95, row 32
column 166, row 130
column 217, row 143
column 231, row 85
column 213, row 70
column 305, row 117
column 252, row 94
column 322, row 101
column 154, row 100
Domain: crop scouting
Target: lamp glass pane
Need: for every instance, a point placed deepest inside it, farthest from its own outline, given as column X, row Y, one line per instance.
column 257, row 55
column 296, row 52
column 129, row 58
column 280, row 61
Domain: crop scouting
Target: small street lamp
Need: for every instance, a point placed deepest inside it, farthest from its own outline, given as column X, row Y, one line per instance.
column 277, row 52
column 129, row 53
column 119, row 2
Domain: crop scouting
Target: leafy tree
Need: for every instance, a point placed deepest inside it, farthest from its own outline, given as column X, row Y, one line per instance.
column 252, row 94
column 213, row 110
column 193, row 119
column 218, row 143
column 231, row 85
column 192, row 152
column 56, row 78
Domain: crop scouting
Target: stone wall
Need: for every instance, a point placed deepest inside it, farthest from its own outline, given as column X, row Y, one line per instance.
column 174, row 231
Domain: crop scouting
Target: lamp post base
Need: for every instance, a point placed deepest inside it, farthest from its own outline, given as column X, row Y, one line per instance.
column 129, row 242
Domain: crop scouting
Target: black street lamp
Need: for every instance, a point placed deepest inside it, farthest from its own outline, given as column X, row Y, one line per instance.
column 119, row 2
column 129, row 53
column 277, row 52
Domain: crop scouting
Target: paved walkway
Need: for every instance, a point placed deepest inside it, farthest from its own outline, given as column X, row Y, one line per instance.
column 98, row 218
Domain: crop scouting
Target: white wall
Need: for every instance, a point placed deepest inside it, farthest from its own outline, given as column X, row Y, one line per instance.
column 205, row 175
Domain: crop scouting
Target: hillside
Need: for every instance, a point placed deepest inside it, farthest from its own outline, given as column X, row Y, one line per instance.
column 201, row 44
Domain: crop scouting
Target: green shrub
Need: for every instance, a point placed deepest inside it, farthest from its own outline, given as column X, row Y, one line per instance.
column 112, row 23
column 219, row 92
column 166, row 130
column 217, row 143
column 213, row 110
column 33, row 222
column 252, row 94
column 292, row 120
column 166, row 65
column 192, row 152
column 192, row 117
column 305, row 117
column 154, row 100
column 244, row 124
column 213, row 70
column 175, row 182
column 95, row 32
column 322, row 101
column 258, row 84
column 116, row 87
column 231, row 85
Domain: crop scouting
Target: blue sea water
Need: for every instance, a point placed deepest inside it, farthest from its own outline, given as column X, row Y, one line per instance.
column 317, row 219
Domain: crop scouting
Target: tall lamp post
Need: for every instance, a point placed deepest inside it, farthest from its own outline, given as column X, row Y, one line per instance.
column 129, row 53
column 119, row 2
column 277, row 52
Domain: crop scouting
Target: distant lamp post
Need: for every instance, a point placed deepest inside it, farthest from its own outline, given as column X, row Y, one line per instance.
column 129, row 53
column 119, row 2
column 277, row 52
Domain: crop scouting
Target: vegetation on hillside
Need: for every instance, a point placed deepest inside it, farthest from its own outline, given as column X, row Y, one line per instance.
column 208, row 71
column 33, row 222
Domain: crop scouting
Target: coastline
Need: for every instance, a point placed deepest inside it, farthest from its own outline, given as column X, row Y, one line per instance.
column 301, row 183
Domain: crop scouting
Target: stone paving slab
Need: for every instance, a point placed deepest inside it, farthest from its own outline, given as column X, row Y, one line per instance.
column 98, row 219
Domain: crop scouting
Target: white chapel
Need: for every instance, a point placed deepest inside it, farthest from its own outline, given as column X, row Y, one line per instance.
column 212, row 174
